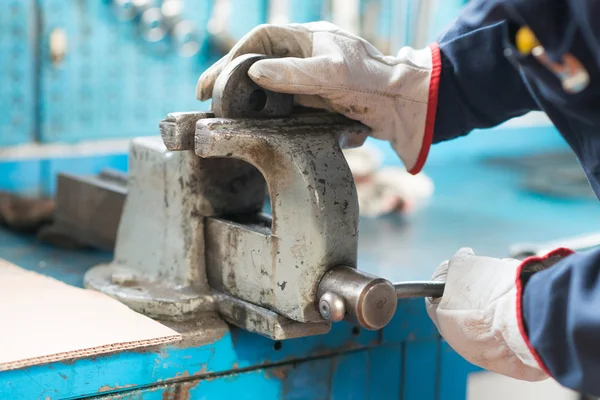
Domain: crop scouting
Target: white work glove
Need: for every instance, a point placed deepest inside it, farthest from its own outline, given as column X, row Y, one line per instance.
column 479, row 314
column 326, row 67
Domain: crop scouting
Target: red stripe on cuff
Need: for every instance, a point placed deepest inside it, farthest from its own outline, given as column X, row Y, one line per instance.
column 562, row 252
column 434, row 85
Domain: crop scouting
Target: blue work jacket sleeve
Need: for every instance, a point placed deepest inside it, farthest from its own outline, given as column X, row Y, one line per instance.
column 561, row 317
column 479, row 87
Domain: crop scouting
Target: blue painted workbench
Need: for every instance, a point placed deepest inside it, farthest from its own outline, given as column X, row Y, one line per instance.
column 476, row 204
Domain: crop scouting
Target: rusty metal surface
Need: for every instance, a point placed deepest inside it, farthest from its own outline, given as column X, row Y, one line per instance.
column 165, row 299
column 189, row 218
column 178, row 130
column 349, row 133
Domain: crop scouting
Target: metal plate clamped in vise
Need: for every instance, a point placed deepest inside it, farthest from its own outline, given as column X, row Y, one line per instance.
column 235, row 95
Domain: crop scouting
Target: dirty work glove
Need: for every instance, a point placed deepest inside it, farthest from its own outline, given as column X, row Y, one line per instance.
column 479, row 314
column 326, row 67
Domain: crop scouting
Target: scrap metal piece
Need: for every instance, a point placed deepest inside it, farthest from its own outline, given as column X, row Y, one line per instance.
column 235, row 95
column 88, row 210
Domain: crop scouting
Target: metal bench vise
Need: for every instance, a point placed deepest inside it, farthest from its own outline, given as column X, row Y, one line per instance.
column 193, row 237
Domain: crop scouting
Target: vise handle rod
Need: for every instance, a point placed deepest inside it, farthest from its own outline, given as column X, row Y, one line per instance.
column 412, row 289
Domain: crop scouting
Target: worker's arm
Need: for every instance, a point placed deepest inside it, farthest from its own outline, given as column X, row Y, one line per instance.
column 561, row 316
column 479, row 87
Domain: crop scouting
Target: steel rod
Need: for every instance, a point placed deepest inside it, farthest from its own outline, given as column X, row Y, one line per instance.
column 414, row 289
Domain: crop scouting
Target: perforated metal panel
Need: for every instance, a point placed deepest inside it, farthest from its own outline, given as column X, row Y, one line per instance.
column 112, row 83
column 17, row 43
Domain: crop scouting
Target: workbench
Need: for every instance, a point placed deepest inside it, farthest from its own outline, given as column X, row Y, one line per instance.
column 476, row 204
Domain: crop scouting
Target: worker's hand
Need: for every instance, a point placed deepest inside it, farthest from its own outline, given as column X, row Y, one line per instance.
column 479, row 314
column 328, row 68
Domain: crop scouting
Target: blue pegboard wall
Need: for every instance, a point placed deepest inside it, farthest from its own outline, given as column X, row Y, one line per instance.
column 17, row 72
column 111, row 83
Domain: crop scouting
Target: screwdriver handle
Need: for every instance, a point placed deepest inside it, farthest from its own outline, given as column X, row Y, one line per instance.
column 414, row 289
